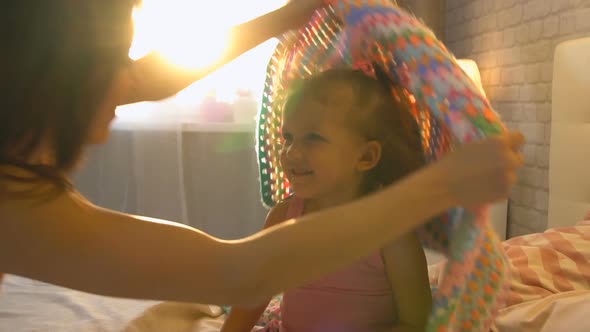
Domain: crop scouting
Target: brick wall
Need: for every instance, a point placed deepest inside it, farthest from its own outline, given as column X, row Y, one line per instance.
column 513, row 43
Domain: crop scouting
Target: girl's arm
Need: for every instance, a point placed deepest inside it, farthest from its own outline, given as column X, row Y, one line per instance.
column 72, row 243
column 406, row 267
column 153, row 78
column 243, row 319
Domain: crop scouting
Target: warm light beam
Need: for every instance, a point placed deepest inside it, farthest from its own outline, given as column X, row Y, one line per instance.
column 191, row 33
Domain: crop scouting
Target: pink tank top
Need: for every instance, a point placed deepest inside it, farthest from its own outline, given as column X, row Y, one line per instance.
column 357, row 298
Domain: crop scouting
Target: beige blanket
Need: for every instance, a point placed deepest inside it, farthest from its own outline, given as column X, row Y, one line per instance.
column 558, row 312
column 550, row 281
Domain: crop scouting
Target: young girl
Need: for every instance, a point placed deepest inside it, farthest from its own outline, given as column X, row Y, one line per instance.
column 345, row 136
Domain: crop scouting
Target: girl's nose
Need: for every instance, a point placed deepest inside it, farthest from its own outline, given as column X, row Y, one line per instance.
column 294, row 151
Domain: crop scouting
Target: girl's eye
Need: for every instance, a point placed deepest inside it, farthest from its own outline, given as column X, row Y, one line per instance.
column 285, row 139
column 315, row 137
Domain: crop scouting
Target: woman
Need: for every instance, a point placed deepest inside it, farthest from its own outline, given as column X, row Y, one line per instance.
column 64, row 70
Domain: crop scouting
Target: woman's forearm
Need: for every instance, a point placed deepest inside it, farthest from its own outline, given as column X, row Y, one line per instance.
column 246, row 36
column 153, row 78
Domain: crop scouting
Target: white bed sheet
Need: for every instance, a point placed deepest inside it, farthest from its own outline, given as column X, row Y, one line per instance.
column 31, row 306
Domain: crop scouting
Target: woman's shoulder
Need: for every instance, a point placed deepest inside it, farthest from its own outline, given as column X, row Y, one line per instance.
column 18, row 184
column 36, row 215
column 23, row 196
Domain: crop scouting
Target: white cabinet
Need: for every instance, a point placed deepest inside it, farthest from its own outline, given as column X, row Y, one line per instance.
column 499, row 218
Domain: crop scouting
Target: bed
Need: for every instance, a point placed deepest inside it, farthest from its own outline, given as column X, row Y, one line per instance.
column 549, row 288
column 550, row 285
column 546, row 294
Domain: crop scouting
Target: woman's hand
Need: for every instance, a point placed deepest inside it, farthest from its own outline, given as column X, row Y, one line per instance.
column 483, row 171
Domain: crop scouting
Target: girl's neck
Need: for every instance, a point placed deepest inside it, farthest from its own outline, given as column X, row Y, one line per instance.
column 315, row 204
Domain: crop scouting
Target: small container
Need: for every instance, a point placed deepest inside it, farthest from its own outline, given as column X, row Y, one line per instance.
column 213, row 110
column 245, row 107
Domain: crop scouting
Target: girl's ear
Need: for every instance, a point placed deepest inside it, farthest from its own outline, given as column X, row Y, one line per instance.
column 370, row 156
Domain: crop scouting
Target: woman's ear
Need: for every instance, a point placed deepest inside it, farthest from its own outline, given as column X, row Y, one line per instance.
column 370, row 156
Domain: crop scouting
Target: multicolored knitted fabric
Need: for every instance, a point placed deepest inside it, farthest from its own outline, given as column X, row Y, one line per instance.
column 449, row 109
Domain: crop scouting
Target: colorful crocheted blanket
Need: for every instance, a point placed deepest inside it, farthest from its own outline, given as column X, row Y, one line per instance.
column 449, row 109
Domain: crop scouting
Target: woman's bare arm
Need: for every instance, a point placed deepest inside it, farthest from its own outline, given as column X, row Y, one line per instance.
column 72, row 243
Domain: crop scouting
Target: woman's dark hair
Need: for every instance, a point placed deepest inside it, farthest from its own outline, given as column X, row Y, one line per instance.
column 381, row 112
column 58, row 59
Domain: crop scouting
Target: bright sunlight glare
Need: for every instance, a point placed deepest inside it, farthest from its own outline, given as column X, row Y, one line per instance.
column 191, row 33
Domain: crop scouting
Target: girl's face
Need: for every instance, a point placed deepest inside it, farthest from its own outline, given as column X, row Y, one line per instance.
column 322, row 155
